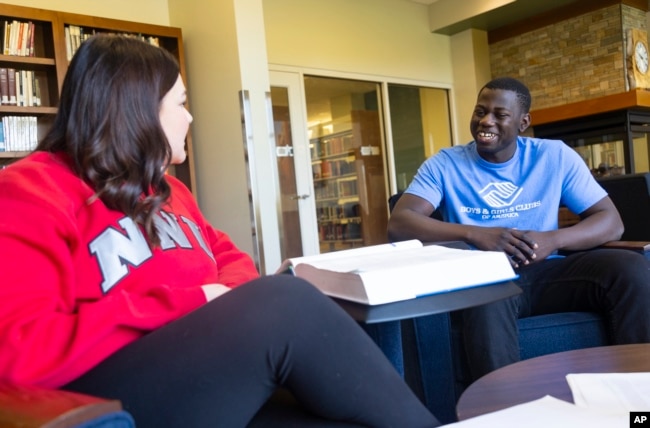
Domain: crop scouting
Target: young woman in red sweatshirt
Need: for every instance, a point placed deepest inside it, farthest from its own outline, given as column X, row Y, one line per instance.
column 113, row 283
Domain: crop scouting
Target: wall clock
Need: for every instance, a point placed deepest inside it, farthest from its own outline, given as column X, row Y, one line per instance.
column 638, row 68
column 641, row 56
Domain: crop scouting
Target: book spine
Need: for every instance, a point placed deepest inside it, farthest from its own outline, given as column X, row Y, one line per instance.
column 20, row 87
column 37, row 92
column 3, row 145
column 29, row 90
column 33, row 132
column 4, row 86
column 32, row 30
column 68, row 43
column 13, row 38
column 19, row 39
column 11, row 79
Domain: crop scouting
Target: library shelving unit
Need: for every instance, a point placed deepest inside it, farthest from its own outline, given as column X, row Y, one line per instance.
column 52, row 38
column 349, row 186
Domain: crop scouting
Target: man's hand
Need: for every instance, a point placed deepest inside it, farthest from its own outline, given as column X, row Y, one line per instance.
column 520, row 245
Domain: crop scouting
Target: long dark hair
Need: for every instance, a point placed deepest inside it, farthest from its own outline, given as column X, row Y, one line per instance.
column 108, row 124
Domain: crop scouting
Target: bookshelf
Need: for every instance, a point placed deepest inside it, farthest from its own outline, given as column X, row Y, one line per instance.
column 50, row 62
column 349, row 186
column 336, row 191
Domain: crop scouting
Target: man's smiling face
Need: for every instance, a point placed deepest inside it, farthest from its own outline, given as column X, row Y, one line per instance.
column 496, row 122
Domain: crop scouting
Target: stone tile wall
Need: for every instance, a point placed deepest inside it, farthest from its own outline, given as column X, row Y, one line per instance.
column 573, row 60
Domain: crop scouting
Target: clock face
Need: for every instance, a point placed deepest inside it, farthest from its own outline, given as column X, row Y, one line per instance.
column 641, row 57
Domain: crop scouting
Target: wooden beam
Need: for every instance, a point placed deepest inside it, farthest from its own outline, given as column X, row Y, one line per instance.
column 558, row 15
column 624, row 100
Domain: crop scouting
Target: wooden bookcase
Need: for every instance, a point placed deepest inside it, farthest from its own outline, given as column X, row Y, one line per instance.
column 50, row 63
column 348, row 173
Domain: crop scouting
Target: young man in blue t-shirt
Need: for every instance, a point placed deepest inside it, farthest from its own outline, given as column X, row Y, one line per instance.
column 502, row 192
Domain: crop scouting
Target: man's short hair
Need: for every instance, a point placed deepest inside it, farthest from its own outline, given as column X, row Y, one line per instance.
column 514, row 85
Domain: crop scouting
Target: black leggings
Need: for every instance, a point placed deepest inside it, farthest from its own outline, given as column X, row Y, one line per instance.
column 216, row 366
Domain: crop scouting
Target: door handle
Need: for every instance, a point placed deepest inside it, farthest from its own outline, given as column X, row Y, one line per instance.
column 296, row 197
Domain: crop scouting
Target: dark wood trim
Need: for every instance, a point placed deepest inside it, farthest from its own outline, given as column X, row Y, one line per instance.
column 624, row 100
column 639, row 246
column 558, row 15
column 638, row 4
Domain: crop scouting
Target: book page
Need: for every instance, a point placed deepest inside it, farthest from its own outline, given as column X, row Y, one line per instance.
column 611, row 392
column 391, row 257
column 335, row 256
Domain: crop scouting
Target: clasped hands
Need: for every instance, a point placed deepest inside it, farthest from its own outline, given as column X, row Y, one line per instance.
column 522, row 246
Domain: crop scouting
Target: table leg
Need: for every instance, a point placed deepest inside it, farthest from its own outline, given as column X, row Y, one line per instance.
column 429, row 363
column 388, row 336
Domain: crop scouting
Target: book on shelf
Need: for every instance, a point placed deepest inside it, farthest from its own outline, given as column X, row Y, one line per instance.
column 11, row 79
column 4, row 86
column 18, row 38
column 20, row 133
column 3, row 146
column 398, row 271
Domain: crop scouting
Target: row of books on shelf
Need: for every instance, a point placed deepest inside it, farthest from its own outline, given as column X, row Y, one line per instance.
column 335, row 168
column 19, row 88
column 348, row 190
column 348, row 211
column 332, row 146
column 341, row 189
column 75, row 35
column 18, row 38
column 18, row 133
column 339, row 232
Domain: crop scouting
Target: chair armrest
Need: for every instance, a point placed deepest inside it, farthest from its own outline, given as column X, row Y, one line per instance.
column 639, row 246
column 30, row 407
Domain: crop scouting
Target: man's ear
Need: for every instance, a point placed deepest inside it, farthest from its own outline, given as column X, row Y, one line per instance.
column 524, row 123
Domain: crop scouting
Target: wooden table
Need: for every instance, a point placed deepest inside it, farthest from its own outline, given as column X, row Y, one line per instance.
column 546, row 375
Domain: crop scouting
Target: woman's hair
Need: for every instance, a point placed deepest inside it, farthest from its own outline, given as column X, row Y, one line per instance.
column 108, row 124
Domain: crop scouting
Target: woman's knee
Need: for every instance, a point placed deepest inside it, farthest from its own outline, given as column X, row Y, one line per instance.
column 289, row 286
column 284, row 292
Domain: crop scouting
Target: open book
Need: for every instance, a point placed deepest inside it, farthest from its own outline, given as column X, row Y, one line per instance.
column 399, row 271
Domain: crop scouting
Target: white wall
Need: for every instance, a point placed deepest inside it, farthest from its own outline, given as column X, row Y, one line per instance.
column 226, row 53
column 214, row 78
column 471, row 62
column 383, row 37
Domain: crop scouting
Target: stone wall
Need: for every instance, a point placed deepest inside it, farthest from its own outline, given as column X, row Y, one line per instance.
column 573, row 60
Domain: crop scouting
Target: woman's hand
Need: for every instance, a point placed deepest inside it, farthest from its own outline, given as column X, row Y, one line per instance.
column 212, row 291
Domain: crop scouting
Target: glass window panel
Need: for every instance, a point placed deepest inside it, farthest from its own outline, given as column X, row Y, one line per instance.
column 641, row 153
column 604, row 155
column 420, row 123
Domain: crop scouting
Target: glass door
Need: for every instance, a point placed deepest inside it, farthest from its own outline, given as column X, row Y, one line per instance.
column 347, row 162
column 297, row 220
column 332, row 159
column 420, row 124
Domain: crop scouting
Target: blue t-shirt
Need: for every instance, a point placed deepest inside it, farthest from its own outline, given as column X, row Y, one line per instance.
column 524, row 192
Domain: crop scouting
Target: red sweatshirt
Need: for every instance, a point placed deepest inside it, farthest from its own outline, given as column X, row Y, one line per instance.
column 78, row 280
